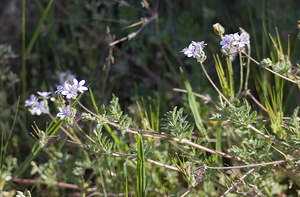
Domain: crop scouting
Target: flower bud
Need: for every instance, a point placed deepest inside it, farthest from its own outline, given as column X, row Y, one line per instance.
column 218, row 29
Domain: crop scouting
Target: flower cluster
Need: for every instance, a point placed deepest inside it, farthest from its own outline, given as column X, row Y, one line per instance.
column 233, row 43
column 195, row 50
column 70, row 91
column 38, row 104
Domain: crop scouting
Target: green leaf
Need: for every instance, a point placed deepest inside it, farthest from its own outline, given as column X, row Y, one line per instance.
column 141, row 173
column 193, row 105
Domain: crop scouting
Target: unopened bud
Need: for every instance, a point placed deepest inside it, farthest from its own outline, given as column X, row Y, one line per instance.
column 218, row 29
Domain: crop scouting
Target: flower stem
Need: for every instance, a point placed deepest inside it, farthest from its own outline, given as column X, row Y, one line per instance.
column 213, row 84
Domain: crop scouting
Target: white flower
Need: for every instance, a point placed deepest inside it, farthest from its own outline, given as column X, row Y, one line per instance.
column 195, row 50
column 64, row 112
column 69, row 91
column 189, row 51
column 31, row 101
column 240, row 40
column 39, row 108
column 79, row 86
column 44, row 95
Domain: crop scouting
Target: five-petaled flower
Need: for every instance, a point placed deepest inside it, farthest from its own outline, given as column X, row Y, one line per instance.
column 225, row 43
column 240, row 40
column 64, row 112
column 79, row 85
column 69, row 91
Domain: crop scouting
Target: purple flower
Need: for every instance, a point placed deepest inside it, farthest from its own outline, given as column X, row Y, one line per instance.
column 31, row 101
column 79, row 86
column 38, row 108
column 64, row 112
column 44, row 95
column 60, row 88
column 226, row 42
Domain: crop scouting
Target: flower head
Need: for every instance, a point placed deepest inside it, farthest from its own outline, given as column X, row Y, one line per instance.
column 227, row 40
column 31, row 101
column 70, row 91
column 38, row 108
column 195, row 50
column 240, row 40
column 234, row 42
column 79, row 85
column 64, row 112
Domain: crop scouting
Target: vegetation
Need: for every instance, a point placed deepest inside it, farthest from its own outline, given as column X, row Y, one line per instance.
column 152, row 98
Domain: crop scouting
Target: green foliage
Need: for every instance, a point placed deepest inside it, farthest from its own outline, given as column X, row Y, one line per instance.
column 240, row 114
column 101, row 143
column 115, row 113
column 249, row 147
column 141, row 173
column 175, row 124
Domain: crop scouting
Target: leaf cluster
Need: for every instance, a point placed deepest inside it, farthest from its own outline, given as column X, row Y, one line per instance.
column 240, row 114
column 175, row 124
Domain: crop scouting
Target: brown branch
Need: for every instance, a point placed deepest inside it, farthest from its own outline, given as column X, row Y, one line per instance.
column 250, row 165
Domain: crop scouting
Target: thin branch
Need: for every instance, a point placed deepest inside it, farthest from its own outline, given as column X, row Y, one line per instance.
column 184, row 141
column 213, row 84
column 250, row 165
column 235, row 184
column 56, row 183
column 144, row 21
column 149, row 160
column 64, row 130
column 256, row 101
column 205, row 98
column 270, row 138
column 268, row 69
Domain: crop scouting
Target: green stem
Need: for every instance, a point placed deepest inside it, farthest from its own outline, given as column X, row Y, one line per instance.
column 248, row 68
column 23, row 73
column 241, row 73
column 230, row 76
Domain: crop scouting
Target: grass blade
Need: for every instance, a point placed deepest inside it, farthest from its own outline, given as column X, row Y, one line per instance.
column 38, row 28
column 141, row 173
column 193, row 106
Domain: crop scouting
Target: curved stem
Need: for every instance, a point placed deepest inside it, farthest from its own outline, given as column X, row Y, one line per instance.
column 213, row 84
column 268, row 69
column 64, row 130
